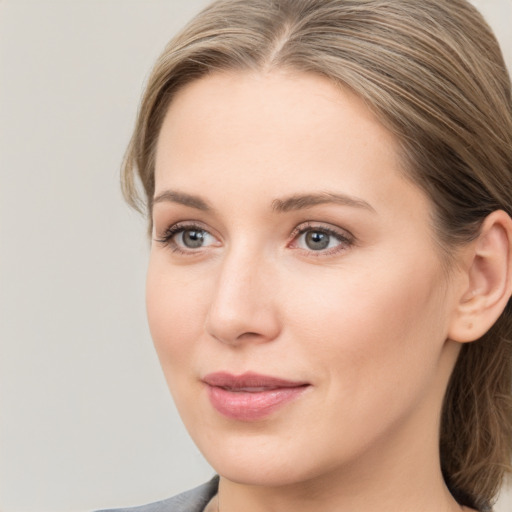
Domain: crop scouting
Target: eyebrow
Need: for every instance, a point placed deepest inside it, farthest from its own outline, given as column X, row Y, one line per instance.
column 182, row 198
column 295, row 202
column 302, row 201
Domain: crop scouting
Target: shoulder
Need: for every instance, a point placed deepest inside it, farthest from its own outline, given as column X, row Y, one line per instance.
column 190, row 501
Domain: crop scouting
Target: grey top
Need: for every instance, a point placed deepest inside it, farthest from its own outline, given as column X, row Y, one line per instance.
column 194, row 500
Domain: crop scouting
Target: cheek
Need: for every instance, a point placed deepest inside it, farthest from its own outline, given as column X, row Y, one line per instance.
column 175, row 303
column 376, row 323
column 374, row 344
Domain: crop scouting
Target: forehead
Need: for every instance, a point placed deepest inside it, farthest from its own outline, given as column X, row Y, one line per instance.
column 291, row 131
column 274, row 103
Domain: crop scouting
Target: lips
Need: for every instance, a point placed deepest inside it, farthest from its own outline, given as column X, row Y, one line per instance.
column 250, row 396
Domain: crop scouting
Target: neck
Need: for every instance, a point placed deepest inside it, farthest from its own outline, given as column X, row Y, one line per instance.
column 395, row 490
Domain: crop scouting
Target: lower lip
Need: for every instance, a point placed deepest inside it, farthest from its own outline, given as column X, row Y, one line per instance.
column 246, row 406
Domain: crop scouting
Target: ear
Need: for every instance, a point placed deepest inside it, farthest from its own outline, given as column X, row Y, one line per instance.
column 487, row 280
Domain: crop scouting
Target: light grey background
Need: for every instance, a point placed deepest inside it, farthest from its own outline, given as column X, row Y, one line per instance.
column 86, row 420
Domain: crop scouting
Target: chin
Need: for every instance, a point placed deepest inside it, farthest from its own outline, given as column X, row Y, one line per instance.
column 261, row 460
column 260, row 473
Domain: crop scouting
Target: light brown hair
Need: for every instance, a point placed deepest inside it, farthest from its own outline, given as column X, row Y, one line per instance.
column 433, row 73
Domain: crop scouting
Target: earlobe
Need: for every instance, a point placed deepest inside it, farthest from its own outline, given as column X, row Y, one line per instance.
column 488, row 280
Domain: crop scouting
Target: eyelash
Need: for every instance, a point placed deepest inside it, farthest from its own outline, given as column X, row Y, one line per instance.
column 345, row 239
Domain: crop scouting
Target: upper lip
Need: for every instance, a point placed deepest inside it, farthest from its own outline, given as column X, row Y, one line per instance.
column 249, row 380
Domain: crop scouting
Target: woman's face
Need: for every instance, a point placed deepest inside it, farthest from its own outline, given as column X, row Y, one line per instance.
column 295, row 294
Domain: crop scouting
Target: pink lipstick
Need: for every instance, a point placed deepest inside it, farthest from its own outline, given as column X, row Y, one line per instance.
column 250, row 396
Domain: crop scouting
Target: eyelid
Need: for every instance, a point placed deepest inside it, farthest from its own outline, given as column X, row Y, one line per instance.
column 322, row 226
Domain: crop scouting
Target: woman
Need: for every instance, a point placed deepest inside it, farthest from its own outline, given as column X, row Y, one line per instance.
column 328, row 187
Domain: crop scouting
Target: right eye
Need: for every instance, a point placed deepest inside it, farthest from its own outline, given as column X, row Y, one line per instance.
column 187, row 238
column 192, row 238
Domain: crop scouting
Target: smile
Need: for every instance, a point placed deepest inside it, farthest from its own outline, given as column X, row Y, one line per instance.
column 250, row 396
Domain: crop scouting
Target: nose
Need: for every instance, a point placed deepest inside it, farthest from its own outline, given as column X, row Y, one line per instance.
column 243, row 308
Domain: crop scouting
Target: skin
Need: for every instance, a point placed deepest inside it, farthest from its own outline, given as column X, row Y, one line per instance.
column 365, row 322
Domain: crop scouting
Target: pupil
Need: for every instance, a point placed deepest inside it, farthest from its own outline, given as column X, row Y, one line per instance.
column 316, row 240
column 193, row 239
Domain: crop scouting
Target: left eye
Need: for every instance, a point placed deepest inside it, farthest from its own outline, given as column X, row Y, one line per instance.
column 316, row 239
